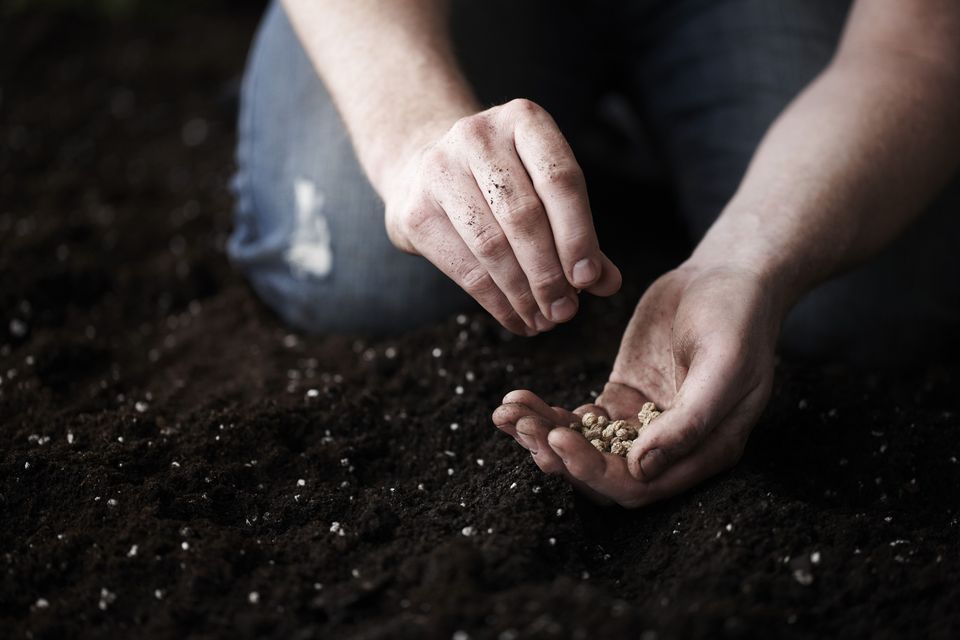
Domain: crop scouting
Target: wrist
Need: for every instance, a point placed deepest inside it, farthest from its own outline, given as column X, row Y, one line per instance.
column 745, row 243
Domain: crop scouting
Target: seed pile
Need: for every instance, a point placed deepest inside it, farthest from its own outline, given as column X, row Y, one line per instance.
column 616, row 436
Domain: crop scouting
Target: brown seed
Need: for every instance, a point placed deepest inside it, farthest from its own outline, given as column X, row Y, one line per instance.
column 599, row 444
column 627, row 433
column 647, row 413
column 593, row 433
column 620, row 447
column 588, row 420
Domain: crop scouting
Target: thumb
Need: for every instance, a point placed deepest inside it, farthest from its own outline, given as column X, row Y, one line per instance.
column 705, row 397
column 609, row 281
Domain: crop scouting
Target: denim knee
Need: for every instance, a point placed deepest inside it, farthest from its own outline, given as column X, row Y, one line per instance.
column 308, row 227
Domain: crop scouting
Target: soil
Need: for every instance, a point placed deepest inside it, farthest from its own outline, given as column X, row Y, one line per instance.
column 157, row 422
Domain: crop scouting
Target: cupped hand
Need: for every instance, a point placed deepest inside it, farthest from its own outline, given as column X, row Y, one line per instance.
column 499, row 204
column 700, row 345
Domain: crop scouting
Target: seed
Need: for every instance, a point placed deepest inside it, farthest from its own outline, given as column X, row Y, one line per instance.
column 647, row 413
column 615, row 436
column 627, row 433
column 620, row 447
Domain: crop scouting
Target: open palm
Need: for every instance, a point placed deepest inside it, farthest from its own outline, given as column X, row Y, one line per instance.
column 700, row 345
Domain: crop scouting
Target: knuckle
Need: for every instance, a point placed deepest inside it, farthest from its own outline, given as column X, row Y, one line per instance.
column 523, row 213
column 492, row 246
column 509, row 319
column 474, row 129
column 579, row 241
column 523, row 298
column 548, row 464
column 398, row 233
column 418, row 219
column 435, row 156
column 566, row 177
column 545, row 281
column 523, row 106
column 476, row 280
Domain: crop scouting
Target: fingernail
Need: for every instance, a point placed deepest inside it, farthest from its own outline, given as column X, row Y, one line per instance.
column 542, row 323
column 562, row 310
column 653, row 463
column 530, row 331
column 584, row 272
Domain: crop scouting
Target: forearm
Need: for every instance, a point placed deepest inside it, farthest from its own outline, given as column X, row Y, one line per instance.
column 390, row 68
column 845, row 168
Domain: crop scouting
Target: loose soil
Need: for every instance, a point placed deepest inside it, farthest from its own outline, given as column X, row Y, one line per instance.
column 157, row 422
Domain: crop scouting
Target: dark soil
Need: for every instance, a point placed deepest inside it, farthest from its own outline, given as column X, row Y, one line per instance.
column 157, row 420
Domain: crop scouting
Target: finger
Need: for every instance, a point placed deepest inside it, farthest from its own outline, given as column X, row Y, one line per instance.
column 516, row 206
column 506, row 416
column 610, row 279
column 472, row 219
column 716, row 455
column 566, row 417
column 708, row 393
column 562, row 189
column 533, row 432
column 536, row 404
column 521, row 403
column 438, row 242
column 536, row 434
column 602, row 473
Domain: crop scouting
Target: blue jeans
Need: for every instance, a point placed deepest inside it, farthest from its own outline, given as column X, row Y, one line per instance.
column 705, row 78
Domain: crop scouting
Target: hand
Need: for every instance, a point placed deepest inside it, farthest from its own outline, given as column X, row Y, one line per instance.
column 701, row 346
column 499, row 204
